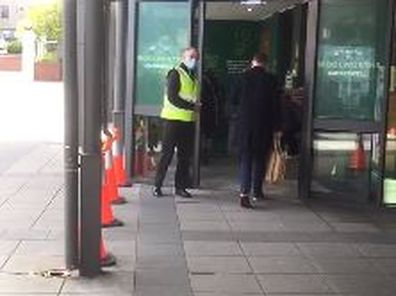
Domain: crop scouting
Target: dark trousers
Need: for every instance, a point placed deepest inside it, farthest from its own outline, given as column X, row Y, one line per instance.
column 252, row 166
column 179, row 135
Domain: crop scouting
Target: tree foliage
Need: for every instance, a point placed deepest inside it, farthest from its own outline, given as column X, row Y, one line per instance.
column 46, row 20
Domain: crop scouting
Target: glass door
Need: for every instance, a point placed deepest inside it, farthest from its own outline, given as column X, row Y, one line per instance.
column 163, row 30
column 349, row 100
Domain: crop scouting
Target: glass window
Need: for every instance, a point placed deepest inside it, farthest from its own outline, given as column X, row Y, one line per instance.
column 4, row 11
column 163, row 31
column 345, row 167
column 351, row 59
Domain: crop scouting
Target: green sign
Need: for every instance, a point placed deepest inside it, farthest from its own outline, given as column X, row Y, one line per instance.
column 351, row 60
column 163, row 31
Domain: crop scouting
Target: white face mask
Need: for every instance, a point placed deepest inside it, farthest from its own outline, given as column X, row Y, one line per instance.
column 190, row 63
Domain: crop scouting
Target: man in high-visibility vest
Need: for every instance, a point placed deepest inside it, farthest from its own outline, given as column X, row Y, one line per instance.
column 179, row 111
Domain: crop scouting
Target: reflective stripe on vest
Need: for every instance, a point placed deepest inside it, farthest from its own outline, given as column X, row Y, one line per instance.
column 189, row 90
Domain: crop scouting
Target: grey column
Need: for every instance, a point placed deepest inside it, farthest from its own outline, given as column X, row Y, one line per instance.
column 71, row 133
column 120, row 12
column 130, row 70
column 110, row 59
column 90, row 47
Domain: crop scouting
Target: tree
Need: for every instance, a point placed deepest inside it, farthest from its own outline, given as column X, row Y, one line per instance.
column 46, row 20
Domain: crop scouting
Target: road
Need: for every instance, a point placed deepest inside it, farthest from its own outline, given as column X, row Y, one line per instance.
column 12, row 152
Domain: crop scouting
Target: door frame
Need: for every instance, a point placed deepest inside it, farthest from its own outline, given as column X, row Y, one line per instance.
column 311, row 53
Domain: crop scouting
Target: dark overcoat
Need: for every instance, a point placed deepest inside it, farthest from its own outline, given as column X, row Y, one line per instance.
column 259, row 110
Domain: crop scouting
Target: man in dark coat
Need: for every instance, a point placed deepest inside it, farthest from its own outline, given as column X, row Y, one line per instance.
column 259, row 117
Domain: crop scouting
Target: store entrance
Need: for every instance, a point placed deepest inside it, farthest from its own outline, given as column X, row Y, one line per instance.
column 233, row 33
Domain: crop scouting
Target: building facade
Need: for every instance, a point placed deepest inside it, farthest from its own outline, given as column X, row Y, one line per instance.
column 340, row 52
column 11, row 12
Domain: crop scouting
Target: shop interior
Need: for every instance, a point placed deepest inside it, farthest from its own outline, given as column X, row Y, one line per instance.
column 233, row 33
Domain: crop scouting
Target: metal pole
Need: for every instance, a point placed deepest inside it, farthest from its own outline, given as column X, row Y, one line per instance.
column 306, row 161
column 121, row 26
column 71, row 133
column 91, row 46
column 197, row 139
column 130, row 71
column 109, row 57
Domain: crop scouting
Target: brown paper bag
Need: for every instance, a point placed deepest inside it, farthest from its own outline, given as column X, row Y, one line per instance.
column 276, row 168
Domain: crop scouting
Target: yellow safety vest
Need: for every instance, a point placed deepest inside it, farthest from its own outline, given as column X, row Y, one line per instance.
column 189, row 90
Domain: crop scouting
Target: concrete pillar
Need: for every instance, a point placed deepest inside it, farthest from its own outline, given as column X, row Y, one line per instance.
column 28, row 54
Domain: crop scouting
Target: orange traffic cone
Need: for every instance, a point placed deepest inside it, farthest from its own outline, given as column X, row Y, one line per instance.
column 118, row 157
column 108, row 219
column 357, row 161
column 110, row 179
column 106, row 258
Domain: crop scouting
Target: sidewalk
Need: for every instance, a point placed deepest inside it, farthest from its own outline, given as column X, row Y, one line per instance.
column 281, row 248
column 32, row 236
column 206, row 246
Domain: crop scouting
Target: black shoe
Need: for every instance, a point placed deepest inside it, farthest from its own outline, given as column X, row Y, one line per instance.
column 259, row 196
column 245, row 202
column 183, row 193
column 157, row 192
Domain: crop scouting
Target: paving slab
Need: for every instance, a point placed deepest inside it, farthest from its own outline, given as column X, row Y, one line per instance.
column 173, row 277
column 14, row 284
column 300, row 284
column 351, row 265
column 294, row 226
column 160, row 258
column 324, row 250
column 111, row 283
column 270, row 249
column 386, row 265
column 24, row 234
column 364, row 285
column 377, row 250
column 225, row 283
column 161, row 290
column 214, row 248
column 205, row 226
column 160, row 250
column 224, row 294
column 282, row 265
column 355, row 227
column 8, row 246
column 40, row 248
column 229, row 265
column 33, row 263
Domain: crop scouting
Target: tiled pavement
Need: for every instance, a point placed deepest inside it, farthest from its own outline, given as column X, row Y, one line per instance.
column 207, row 246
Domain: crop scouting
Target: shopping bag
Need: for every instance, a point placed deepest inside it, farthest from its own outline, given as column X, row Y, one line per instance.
column 276, row 168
